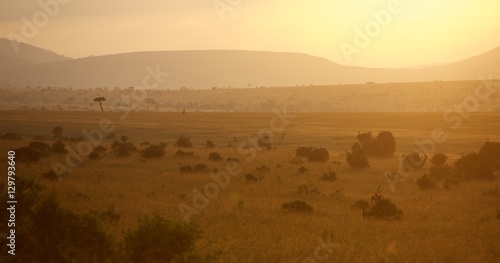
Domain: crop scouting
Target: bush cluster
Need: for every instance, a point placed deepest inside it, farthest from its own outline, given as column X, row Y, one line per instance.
column 313, row 154
column 382, row 145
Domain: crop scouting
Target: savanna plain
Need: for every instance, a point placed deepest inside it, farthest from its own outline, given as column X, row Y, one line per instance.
column 275, row 205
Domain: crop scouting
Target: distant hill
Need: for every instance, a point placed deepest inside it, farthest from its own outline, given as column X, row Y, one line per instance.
column 223, row 68
column 29, row 54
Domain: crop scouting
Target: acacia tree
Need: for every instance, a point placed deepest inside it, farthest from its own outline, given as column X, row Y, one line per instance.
column 100, row 100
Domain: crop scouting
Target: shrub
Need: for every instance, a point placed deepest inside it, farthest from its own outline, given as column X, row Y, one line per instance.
column 59, row 235
column 318, row 155
column 439, row 160
column 123, row 148
column 94, row 156
column 382, row 145
column 361, row 204
column 297, row 206
column 161, row 240
column 50, row 175
column 215, row 157
column 11, row 136
column 414, row 160
column 263, row 169
column 264, row 142
column 474, row 166
column 252, row 178
column 27, row 154
column 40, row 146
column 357, row 158
column 181, row 153
column 154, row 151
column 303, row 151
column 183, row 142
column 303, row 170
column 308, row 189
column 425, row 182
column 57, row 131
column 59, row 148
column 330, row 176
column 384, row 210
column 200, row 168
column 100, row 149
column 491, row 152
column 210, row 144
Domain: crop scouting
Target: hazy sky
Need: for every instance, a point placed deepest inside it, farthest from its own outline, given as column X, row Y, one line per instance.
column 420, row 32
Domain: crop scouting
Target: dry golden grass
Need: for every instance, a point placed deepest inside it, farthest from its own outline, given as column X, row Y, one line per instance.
column 437, row 225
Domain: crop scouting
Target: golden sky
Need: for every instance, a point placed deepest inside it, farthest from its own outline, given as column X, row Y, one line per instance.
column 417, row 32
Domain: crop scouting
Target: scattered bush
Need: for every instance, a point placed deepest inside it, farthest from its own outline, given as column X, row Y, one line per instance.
column 161, row 240
column 27, row 154
column 215, row 157
column 94, row 156
column 198, row 168
column 59, row 148
column 312, row 154
column 382, row 145
column 264, row 142
column 252, row 178
column 439, row 160
column 425, row 182
column 303, row 170
column 40, row 146
column 123, row 148
column 57, row 131
column 318, row 155
column 154, row 151
column 357, row 158
column 11, row 136
column 330, row 176
column 361, row 204
column 210, row 144
column 474, row 166
column 297, row 206
column 308, row 189
column 414, row 160
column 181, row 153
column 384, row 210
column 183, row 142
column 263, row 169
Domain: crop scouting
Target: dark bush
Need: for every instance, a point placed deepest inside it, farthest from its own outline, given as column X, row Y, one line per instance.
column 474, row 166
column 11, row 136
column 297, row 206
column 160, row 240
column 215, row 157
column 425, row 182
column 210, row 144
column 252, row 178
column 27, row 154
column 318, row 155
column 414, row 160
column 439, row 160
column 263, row 169
column 384, row 210
column 491, row 152
column 361, row 204
column 181, row 153
column 330, row 176
column 357, row 158
column 40, row 146
column 183, row 142
column 382, row 145
column 94, row 156
column 59, row 235
column 303, row 170
column 57, row 131
column 59, row 148
column 123, row 148
column 303, row 151
column 154, row 151
column 200, row 168
column 100, row 149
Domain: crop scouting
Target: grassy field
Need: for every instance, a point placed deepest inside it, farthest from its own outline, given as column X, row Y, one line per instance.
column 244, row 219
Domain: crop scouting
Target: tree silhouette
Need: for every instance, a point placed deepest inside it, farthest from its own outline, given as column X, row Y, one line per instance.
column 100, row 100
